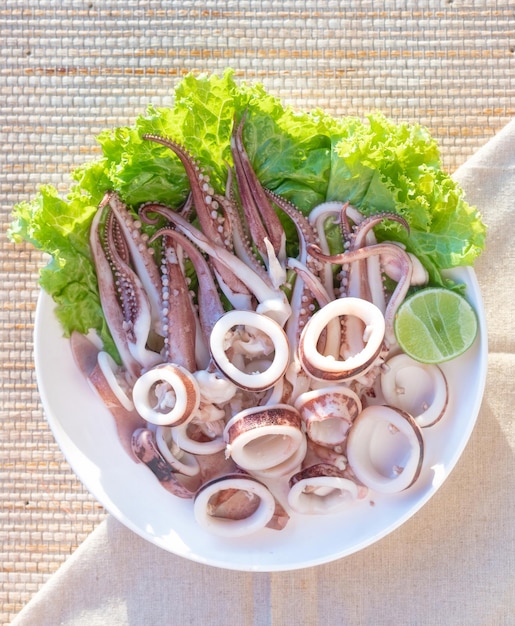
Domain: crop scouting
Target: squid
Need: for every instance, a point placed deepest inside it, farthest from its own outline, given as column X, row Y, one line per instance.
column 248, row 395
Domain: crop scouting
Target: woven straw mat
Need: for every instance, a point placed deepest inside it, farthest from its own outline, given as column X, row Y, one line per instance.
column 71, row 68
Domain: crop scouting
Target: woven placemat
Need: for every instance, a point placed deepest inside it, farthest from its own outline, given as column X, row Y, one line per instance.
column 71, row 69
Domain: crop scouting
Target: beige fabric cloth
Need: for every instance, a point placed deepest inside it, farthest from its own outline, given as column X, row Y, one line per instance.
column 452, row 563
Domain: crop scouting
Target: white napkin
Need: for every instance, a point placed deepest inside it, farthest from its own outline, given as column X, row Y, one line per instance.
column 452, row 563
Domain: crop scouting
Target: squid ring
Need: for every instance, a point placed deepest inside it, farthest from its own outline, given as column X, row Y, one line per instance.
column 179, row 385
column 324, row 367
column 255, row 381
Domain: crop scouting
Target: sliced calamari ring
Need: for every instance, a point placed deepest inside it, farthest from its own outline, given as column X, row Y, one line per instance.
column 183, row 440
column 321, row 489
column 233, row 506
column 385, row 449
column 326, row 367
column 181, row 461
column 255, row 381
column 420, row 389
column 288, row 467
column 263, row 437
column 167, row 394
column 328, row 413
column 145, row 449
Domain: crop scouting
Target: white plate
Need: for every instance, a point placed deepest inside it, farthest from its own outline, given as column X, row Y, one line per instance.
column 86, row 434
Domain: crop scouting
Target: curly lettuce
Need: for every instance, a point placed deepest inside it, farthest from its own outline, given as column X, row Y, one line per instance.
column 308, row 157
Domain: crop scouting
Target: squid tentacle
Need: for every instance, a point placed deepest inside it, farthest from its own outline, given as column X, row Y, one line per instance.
column 271, row 300
column 237, row 292
column 142, row 256
column 210, row 307
column 381, row 249
column 262, row 220
column 178, row 313
column 109, row 298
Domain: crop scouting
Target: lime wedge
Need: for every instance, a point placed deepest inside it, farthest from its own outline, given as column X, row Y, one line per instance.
column 435, row 325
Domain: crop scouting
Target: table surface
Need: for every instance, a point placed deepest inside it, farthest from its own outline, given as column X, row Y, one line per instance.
column 69, row 71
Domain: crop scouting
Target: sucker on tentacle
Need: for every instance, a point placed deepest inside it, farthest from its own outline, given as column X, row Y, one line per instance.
column 178, row 313
column 213, row 222
column 302, row 299
column 202, row 193
column 109, row 299
column 357, row 237
column 133, row 298
column 307, row 288
column 241, row 243
column 319, row 216
column 364, row 279
column 210, row 307
column 316, row 288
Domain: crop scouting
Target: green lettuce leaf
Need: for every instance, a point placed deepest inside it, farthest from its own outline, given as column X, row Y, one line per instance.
column 308, row 157
column 60, row 228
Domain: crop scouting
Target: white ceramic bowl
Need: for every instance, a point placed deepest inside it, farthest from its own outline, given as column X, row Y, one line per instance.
column 86, row 434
